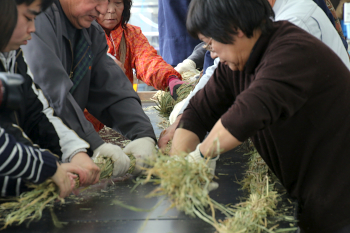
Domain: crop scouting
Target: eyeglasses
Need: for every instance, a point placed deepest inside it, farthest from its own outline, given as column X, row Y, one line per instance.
column 208, row 45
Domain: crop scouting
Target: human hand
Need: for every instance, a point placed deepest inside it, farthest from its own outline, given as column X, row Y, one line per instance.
column 174, row 83
column 88, row 171
column 64, row 180
column 168, row 134
column 120, row 159
column 185, row 66
column 141, row 149
column 196, row 156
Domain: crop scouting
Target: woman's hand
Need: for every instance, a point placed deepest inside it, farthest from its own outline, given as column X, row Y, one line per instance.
column 88, row 171
column 64, row 180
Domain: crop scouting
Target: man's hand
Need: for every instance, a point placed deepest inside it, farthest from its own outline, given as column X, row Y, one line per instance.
column 168, row 134
column 120, row 159
column 64, row 180
column 185, row 66
column 141, row 149
column 88, row 171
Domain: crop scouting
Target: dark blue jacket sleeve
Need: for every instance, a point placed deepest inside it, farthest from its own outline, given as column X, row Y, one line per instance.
column 175, row 44
column 20, row 163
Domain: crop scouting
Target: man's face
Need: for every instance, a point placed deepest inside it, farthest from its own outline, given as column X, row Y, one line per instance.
column 81, row 13
column 25, row 25
column 113, row 15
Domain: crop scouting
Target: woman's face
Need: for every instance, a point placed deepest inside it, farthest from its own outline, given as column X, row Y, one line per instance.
column 25, row 25
column 234, row 55
column 113, row 15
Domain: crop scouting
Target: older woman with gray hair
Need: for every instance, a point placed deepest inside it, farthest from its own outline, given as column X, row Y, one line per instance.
column 284, row 89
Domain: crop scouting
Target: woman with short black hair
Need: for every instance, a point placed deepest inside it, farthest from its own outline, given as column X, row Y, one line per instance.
column 284, row 89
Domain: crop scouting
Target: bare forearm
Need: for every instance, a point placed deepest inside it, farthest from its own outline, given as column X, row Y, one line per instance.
column 184, row 141
column 218, row 141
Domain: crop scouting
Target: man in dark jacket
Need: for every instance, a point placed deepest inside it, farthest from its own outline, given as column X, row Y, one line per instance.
column 75, row 73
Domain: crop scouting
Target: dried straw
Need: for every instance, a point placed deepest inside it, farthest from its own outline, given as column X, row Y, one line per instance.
column 29, row 205
column 165, row 102
column 187, row 191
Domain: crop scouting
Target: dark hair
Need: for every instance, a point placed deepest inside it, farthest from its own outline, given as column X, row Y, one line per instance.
column 126, row 12
column 8, row 21
column 44, row 3
column 220, row 19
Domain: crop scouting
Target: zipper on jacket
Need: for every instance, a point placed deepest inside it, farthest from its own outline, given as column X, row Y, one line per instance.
column 71, row 67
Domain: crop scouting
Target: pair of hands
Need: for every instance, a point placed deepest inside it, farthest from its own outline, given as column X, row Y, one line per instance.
column 89, row 172
column 81, row 164
column 168, row 134
column 195, row 156
column 141, row 149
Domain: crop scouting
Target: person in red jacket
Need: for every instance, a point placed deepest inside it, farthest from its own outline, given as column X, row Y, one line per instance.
column 137, row 54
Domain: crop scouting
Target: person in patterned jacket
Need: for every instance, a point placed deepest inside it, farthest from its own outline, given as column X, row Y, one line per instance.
column 138, row 53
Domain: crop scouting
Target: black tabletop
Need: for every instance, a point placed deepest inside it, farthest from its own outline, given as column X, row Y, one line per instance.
column 93, row 210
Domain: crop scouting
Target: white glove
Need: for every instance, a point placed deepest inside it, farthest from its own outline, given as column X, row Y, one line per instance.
column 175, row 113
column 186, row 65
column 121, row 160
column 195, row 156
column 141, row 149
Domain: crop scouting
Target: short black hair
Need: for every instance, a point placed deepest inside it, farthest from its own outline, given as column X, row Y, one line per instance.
column 44, row 3
column 126, row 12
column 8, row 21
column 220, row 19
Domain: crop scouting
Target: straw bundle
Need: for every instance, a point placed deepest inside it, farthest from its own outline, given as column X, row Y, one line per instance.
column 188, row 190
column 165, row 102
column 29, row 205
column 252, row 214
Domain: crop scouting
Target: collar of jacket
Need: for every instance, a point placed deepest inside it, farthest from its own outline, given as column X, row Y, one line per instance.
column 8, row 62
column 113, row 40
column 57, row 8
column 260, row 48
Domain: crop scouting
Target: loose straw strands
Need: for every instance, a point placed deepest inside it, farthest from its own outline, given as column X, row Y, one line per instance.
column 186, row 186
column 29, row 205
column 252, row 214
